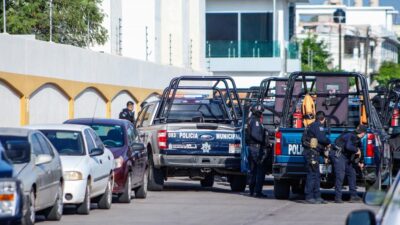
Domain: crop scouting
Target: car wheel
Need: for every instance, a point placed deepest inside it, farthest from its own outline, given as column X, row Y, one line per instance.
column 56, row 211
column 156, row 178
column 238, row 183
column 208, row 180
column 126, row 196
column 141, row 192
column 30, row 216
column 281, row 189
column 84, row 207
column 106, row 199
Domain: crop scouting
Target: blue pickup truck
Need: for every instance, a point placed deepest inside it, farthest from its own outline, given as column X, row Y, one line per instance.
column 345, row 109
column 11, row 197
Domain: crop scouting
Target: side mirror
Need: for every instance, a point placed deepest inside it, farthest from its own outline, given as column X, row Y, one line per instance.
column 43, row 159
column 96, row 152
column 361, row 217
column 138, row 147
column 18, row 151
column 374, row 197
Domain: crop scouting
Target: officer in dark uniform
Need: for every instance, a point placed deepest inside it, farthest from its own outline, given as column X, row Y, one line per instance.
column 256, row 138
column 128, row 113
column 345, row 160
column 314, row 142
column 378, row 101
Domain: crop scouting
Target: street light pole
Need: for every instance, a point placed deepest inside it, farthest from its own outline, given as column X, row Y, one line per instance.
column 4, row 17
column 51, row 20
column 340, row 46
column 339, row 16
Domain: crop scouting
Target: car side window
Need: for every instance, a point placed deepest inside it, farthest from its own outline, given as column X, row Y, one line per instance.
column 147, row 115
column 36, row 148
column 141, row 115
column 89, row 141
column 46, row 148
column 97, row 140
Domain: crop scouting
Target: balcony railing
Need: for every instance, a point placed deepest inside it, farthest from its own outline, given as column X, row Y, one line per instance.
column 248, row 49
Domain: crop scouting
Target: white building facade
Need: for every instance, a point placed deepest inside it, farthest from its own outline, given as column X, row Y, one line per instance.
column 248, row 40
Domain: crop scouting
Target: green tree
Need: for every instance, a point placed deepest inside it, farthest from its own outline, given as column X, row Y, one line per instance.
column 388, row 71
column 320, row 56
column 75, row 22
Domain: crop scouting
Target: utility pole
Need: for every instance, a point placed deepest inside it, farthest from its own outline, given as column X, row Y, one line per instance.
column 4, row 17
column 340, row 46
column 147, row 43
column 339, row 16
column 366, row 52
column 51, row 20
column 170, row 49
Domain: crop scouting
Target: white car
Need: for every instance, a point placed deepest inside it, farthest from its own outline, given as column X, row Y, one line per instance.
column 87, row 165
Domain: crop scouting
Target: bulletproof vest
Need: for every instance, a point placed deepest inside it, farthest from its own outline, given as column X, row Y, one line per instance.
column 255, row 131
column 306, row 138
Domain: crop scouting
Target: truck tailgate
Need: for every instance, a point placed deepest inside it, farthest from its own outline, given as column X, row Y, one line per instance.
column 203, row 139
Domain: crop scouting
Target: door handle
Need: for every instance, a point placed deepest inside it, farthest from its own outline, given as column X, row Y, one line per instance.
column 101, row 161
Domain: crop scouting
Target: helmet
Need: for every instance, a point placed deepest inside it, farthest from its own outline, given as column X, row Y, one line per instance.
column 257, row 109
column 380, row 89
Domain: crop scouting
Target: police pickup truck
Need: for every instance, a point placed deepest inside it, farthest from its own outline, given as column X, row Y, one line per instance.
column 11, row 197
column 194, row 130
column 345, row 107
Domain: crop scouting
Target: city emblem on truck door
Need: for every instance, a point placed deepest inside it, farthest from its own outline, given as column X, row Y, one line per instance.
column 206, row 147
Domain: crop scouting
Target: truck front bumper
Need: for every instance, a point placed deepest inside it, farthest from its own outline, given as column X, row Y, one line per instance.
column 197, row 161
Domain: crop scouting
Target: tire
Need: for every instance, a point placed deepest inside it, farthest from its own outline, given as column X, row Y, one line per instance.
column 84, row 207
column 156, row 178
column 106, row 199
column 238, row 183
column 30, row 215
column 208, row 180
column 281, row 189
column 56, row 211
column 126, row 196
column 141, row 192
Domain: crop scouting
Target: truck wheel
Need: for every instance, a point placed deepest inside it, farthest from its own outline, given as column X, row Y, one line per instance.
column 125, row 197
column 281, row 189
column 106, row 199
column 141, row 192
column 238, row 183
column 156, row 178
column 55, row 212
column 84, row 207
column 208, row 180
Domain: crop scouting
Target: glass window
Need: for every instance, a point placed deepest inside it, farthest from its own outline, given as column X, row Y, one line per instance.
column 222, row 34
column 66, row 142
column 46, row 148
column 141, row 115
column 147, row 115
column 132, row 135
column 11, row 154
column 97, row 140
column 89, row 141
column 256, row 34
column 37, row 149
column 111, row 135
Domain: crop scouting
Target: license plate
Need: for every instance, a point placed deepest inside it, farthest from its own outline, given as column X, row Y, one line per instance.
column 325, row 169
column 234, row 148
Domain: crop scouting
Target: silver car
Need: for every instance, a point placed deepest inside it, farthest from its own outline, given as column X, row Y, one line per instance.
column 38, row 166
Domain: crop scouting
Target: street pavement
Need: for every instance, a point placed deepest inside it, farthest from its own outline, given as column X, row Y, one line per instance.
column 185, row 202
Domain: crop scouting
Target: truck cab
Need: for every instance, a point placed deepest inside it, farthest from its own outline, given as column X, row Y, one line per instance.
column 345, row 100
column 194, row 130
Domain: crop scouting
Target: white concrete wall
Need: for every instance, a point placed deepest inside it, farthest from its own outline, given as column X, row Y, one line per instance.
column 90, row 104
column 10, row 102
column 18, row 55
column 48, row 105
column 119, row 102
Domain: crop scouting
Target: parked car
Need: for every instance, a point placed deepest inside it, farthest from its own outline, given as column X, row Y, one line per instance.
column 130, row 155
column 11, row 196
column 38, row 165
column 87, row 165
column 389, row 211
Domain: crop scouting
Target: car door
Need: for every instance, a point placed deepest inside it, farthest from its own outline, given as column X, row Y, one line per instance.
column 54, row 167
column 98, row 173
column 40, row 172
column 137, row 169
column 141, row 154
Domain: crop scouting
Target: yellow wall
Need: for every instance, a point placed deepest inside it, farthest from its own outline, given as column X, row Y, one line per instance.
column 26, row 85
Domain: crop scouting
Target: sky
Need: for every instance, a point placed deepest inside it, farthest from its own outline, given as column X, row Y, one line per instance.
column 394, row 3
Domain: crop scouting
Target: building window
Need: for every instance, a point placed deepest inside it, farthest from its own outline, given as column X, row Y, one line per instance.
column 256, row 35
column 292, row 20
column 222, row 34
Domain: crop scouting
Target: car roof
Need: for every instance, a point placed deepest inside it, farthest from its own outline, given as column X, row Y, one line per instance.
column 11, row 131
column 65, row 127
column 97, row 121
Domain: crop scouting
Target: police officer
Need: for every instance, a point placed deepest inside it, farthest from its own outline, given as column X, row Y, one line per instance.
column 378, row 101
column 345, row 160
column 128, row 113
column 256, row 141
column 314, row 142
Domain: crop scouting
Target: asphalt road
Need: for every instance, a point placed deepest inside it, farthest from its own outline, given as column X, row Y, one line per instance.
column 185, row 202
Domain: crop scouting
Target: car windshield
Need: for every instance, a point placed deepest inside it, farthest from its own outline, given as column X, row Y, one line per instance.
column 111, row 135
column 66, row 142
column 14, row 155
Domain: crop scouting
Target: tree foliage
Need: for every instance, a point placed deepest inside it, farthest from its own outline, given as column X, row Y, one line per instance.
column 320, row 55
column 388, row 71
column 75, row 22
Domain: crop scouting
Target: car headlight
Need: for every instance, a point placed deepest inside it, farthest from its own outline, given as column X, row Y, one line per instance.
column 8, row 198
column 119, row 162
column 73, row 175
